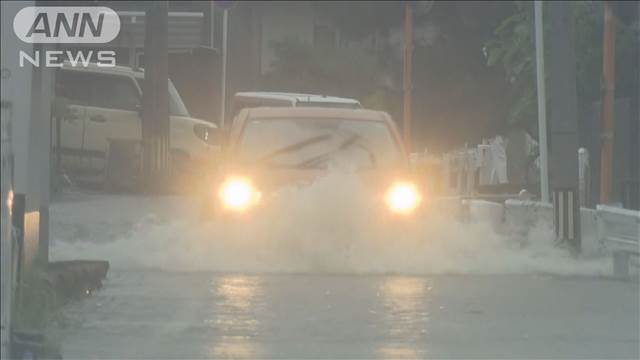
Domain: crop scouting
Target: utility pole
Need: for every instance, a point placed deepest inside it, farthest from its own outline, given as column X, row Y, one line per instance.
column 608, row 103
column 155, row 98
column 542, row 104
column 223, row 89
column 408, row 74
column 563, row 150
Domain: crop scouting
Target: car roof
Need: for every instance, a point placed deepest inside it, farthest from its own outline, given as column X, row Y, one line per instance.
column 316, row 112
column 302, row 97
column 93, row 67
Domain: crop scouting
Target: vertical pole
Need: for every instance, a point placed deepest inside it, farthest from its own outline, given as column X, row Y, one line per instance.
column 407, row 78
column 223, row 90
column 43, row 80
column 608, row 79
column 563, row 141
column 155, row 98
column 542, row 105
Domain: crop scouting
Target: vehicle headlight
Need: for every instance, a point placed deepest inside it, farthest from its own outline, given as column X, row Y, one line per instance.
column 238, row 194
column 403, row 197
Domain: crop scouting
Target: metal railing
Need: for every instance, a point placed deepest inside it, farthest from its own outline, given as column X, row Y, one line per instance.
column 619, row 231
column 611, row 231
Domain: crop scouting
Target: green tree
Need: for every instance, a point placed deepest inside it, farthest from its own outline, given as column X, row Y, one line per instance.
column 457, row 98
column 358, row 19
column 513, row 49
column 336, row 71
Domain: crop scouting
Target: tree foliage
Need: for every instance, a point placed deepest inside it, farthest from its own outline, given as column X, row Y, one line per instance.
column 513, row 49
column 336, row 71
column 457, row 98
column 358, row 19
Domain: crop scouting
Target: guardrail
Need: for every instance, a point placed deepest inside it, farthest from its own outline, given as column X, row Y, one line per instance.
column 619, row 231
column 605, row 230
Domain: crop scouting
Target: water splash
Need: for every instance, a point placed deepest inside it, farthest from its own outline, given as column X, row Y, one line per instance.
column 333, row 225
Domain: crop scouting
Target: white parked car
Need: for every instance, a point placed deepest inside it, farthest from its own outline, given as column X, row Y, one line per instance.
column 105, row 105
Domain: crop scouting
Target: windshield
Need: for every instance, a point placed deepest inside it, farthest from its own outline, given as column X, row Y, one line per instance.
column 176, row 106
column 316, row 143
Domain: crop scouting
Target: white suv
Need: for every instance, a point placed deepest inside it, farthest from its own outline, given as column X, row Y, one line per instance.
column 104, row 105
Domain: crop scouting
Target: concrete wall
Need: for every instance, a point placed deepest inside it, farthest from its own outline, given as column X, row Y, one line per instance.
column 522, row 216
column 516, row 218
column 489, row 212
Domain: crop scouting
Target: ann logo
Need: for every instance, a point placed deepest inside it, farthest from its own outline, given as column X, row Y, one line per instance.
column 41, row 25
column 66, row 24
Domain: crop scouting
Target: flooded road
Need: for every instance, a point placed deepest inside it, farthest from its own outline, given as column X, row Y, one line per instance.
column 158, row 315
column 305, row 283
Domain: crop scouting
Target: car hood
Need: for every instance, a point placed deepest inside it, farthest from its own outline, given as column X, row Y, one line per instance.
column 272, row 179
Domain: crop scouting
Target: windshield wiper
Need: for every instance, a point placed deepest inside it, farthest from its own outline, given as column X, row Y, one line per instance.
column 294, row 147
column 351, row 141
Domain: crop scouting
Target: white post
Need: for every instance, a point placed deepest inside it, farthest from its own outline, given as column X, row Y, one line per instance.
column 213, row 26
column 223, row 90
column 542, row 107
